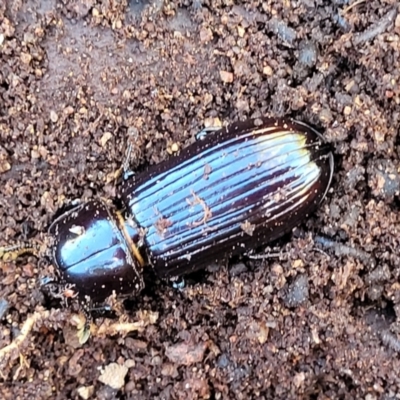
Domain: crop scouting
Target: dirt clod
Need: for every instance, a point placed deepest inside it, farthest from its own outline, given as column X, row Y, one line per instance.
column 113, row 375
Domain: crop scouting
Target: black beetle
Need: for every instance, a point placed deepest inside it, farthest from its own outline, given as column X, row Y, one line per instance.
column 228, row 193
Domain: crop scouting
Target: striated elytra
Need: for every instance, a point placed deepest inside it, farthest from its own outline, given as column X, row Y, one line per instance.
column 234, row 190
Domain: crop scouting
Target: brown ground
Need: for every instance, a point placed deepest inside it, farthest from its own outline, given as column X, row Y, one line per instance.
column 80, row 80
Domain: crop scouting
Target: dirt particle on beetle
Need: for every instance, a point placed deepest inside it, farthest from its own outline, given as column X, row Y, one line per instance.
column 247, row 227
column 162, row 225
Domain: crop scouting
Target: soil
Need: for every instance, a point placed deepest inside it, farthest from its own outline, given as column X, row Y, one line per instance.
column 80, row 80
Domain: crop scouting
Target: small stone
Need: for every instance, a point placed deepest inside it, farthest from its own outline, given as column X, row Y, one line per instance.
column 347, row 110
column 380, row 274
column 214, row 122
column 299, row 379
column 257, row 331
column 267, row 70
column 168, row 369
column 26, row 58
column 53, row 116
column 383, row 179
column 129, row 363
column 297, row 292
column 206, row 35
column 196, row 386
column 226, row 77
column 315, row 336
column 68, row 110
column 130, row 386
column 237, row 269
column 397, row 21
column 186, row 353
column 375, row 292
column 325, row 116
column 85, row 392
column 223, row 361
column 35, row 154
column 105, row 138
column 308, row 53
column 298, row 263
column 4, row 166
column 397, row 24
column 174, row 147
column 287, row 34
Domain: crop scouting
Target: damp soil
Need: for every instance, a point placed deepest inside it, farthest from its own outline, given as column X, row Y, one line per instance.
column 80, row 80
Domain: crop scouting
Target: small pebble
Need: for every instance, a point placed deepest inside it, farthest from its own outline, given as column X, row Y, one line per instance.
column 308, row 53
column 237, row 269
column 85, row 392
column 226, row 77
column 297, row 292
column 53, row 116
column 185, row 353
column 383, row 179
column 287, row 34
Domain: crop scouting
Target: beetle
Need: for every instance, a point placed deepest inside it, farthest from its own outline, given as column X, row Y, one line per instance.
column 231, row 191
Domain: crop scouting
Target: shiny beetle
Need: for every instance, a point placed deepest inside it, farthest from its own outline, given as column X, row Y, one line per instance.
column 228, row 193
column 233, row 190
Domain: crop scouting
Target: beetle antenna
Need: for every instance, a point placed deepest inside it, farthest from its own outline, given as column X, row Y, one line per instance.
column 13, row 252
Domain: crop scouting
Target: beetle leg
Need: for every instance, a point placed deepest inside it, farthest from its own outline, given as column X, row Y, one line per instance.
column 11, row 253
column 126, row 170
column 204, row 132
column 14, row 347
column 178, row 282
column 101, row 310
column 262, row 256
column 344, row 250
column 75, row 202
